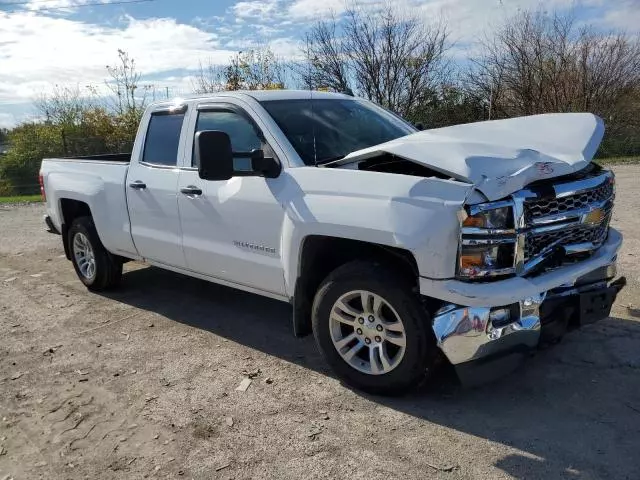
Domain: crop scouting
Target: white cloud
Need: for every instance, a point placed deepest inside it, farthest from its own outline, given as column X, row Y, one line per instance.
column 39, row 51
column 255, row 8
column 316, row 9
column 625, row 16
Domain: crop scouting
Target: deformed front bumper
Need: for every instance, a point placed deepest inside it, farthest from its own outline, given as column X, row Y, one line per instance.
column 483, row 342
column 483, row 347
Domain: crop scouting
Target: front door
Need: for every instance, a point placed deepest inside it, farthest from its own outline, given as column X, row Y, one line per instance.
column 231, row 228
column 152, row 183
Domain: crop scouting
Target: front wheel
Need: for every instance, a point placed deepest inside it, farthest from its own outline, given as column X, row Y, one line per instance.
column 95, row 266
column 372, row 329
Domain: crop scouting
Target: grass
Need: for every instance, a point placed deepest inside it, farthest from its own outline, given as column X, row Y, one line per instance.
column 618, row 160
column 20, row 199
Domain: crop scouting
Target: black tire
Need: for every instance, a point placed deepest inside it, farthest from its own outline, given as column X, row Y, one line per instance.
column 420, row 351
column 108, row 267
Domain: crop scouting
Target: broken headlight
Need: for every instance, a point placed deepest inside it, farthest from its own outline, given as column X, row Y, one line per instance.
column 487, row 241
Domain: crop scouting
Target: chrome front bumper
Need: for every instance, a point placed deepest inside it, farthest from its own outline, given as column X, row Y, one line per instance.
column 465, row 334
column 481, row 348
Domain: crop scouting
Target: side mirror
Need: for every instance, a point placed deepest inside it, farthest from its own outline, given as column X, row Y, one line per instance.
column 419, row 126
column 216, row 160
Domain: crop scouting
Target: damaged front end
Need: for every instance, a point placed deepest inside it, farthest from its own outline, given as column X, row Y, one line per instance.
column 539, row 263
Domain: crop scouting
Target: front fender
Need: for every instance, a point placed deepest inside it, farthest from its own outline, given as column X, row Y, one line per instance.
column 412, row 213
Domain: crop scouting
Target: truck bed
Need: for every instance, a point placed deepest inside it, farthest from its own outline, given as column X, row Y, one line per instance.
column 107, row 157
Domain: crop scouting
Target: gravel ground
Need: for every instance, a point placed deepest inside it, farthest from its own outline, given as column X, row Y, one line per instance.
column 142, row 383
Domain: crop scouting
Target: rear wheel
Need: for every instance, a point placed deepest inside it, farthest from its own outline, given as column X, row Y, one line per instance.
column 372, row 329
column 95, row 266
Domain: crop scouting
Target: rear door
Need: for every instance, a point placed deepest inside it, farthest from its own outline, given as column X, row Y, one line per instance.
column 152, row 183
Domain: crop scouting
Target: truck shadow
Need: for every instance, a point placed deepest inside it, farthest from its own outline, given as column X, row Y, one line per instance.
column 572, row 411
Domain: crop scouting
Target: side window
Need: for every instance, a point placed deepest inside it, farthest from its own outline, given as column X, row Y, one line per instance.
column 163, row 137
column 242, row 133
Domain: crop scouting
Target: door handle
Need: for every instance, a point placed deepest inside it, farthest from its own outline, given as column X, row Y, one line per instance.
column 138, row 185
column 191, row 190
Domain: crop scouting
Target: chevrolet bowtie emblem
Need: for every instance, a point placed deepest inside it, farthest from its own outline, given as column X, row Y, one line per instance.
column 594, row 217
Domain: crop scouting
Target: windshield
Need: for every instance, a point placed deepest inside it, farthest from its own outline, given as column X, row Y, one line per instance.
column 340, row 126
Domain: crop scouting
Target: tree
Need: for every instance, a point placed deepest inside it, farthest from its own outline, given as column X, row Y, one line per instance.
column 388, row 56
column 209, row 79
column 124, row 84
column 255, row 69
column 326, row 64
column 64, row 105
column 540, row 62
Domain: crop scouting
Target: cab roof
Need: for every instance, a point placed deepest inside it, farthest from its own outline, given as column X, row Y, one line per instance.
column 258, row 95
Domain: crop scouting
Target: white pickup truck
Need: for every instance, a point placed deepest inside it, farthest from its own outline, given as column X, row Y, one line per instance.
column 397, row 248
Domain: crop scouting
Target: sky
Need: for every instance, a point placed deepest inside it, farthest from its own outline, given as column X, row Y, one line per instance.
column 44, row 43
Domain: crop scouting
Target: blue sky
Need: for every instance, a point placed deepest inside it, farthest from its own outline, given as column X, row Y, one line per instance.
column 44, row 43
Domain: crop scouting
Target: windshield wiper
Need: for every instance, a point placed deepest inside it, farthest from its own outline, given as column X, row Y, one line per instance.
column 325, row 161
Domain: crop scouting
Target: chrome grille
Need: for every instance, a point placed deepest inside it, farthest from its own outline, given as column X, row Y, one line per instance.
column 552, row 222
column 537, row 243
column 553, row 206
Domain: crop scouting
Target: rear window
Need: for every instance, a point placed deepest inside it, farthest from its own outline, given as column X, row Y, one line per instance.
column 163, row 137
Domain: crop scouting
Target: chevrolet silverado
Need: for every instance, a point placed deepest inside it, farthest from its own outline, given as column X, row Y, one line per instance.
column 399, row 249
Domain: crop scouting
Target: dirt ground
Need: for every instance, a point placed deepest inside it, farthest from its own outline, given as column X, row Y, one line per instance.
column 142, row 383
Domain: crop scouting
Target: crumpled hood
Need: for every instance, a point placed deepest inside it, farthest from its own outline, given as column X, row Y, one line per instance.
column 500, row 156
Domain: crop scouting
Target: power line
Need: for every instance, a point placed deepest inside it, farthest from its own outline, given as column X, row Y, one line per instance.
column 67, row 7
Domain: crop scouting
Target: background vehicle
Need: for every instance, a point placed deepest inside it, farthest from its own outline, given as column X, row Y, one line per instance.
column 394, row 247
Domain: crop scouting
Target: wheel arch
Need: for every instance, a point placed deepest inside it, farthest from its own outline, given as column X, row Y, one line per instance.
column 70, row 209
column 319, row 255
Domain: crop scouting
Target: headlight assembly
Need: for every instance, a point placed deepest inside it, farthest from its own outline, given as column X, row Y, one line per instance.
column 490, row 218
column 487, row 241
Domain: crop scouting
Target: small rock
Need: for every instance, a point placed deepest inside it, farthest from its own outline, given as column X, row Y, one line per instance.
column 133, row 425
column 244, row 384
column 150, row 325
column 229, row 421
column 268, row 380
column 8, row 280
column 36, row 275
column 158, row 467
column 166, row 442
column 155, row 437
column 41, row 464
column 252, row 373
column 16, row 376
column 171, row 459
column 3, row 451
column 180, row 472
column 83, row 380
column 122, row 439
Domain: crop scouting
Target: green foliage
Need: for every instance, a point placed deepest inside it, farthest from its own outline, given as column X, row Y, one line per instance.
column 20, row 199
column 450, row 105
column 96, row 131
